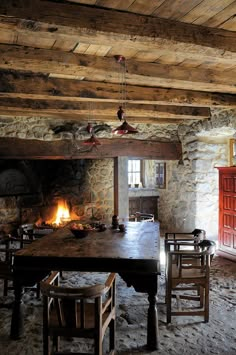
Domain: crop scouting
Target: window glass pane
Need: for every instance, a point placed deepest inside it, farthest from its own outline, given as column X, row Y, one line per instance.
column 134, row 171
column 137, row 172
column 136, row 178
column 137, row 165
column 160, row 175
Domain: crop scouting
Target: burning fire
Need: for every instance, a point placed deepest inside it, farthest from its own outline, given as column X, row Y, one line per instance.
column 58, row 216
column 63, row 214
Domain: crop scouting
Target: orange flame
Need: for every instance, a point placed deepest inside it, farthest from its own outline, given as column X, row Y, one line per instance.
column 63, row 213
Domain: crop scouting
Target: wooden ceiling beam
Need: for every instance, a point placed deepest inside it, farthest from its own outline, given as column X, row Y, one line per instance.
column 27, row 86
column 14, row 148
column 92, row 68
column 74, row 16
column 106, row 112
column 108, row 27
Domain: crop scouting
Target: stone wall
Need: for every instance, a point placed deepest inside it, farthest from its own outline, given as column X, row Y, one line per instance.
column 191, row 197
column 86, row 186
column 99, row 183
column 42, row 129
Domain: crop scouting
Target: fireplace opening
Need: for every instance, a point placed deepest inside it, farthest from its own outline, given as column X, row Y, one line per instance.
column 36, row 191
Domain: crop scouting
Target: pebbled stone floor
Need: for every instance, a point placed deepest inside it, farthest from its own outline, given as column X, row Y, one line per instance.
column 185, row 335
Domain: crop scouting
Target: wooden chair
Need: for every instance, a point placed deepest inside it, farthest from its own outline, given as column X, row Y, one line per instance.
column 84, row 312
column 190, row 237
column 187, row 278
column 8, row 248
column 6, row 275
column 198, row 234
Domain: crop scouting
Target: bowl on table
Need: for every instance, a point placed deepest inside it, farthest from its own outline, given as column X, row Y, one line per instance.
column 80, row 230
column 79, row 233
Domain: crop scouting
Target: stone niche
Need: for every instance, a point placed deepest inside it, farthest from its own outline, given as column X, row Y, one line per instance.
column 31, row 190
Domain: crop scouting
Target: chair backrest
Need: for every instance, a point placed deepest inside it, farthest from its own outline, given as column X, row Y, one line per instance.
column 79, row 312
column 146, row 217
column 9, row 246
column 189, row 263
column 69, row 303
column 190, row 244
column 7, row 253
column 187, row 278
column 197, row 233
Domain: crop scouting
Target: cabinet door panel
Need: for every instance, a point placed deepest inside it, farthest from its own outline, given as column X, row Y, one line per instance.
column 227, row 211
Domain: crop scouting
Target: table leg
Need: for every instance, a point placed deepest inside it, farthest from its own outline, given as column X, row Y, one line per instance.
column 17, row 323
column 147, row 284
column 152, row 324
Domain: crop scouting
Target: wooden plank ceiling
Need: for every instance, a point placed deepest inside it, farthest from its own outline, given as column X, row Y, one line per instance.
column 57, row 59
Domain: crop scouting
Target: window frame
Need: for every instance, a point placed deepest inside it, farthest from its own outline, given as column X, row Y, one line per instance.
column 159, row 174
column 232, row 152
column 140, row 172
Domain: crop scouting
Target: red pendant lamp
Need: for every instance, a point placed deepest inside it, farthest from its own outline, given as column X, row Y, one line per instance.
column 125, row 128
column 92, row 141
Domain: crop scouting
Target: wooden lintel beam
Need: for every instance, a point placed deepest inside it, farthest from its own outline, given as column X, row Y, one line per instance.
column 75, row 19
column 91, row 67
column 32, row 86
column 14, row 148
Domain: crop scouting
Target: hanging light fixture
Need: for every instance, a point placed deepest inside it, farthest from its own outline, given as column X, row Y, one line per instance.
column 92, row 141
column 124, row 128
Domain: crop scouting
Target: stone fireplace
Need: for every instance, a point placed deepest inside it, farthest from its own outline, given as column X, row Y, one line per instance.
column 31, row 190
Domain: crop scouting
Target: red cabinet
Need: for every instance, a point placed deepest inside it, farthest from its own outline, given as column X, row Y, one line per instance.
column 227, row 212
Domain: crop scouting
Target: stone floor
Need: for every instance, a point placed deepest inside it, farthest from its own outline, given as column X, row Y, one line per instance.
column 183, row 336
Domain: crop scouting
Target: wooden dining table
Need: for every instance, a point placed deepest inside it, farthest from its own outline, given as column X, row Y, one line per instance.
column 134, row 254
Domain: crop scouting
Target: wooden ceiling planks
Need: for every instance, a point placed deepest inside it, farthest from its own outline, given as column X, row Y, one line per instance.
column 205, row 10
column 114, row 4
column 224, row 19
column 215, row 12
column 175, row 10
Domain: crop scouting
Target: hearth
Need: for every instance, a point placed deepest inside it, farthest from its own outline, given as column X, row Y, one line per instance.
column 32, row 191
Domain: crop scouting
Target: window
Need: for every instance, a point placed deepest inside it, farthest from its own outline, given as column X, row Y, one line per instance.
column 232, row 152
column 134, row 173
column 146, row 173
column 160, row 175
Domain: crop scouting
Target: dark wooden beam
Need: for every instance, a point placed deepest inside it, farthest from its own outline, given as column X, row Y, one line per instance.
column 36, row 86
column 105, row 111
column 14, row 148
